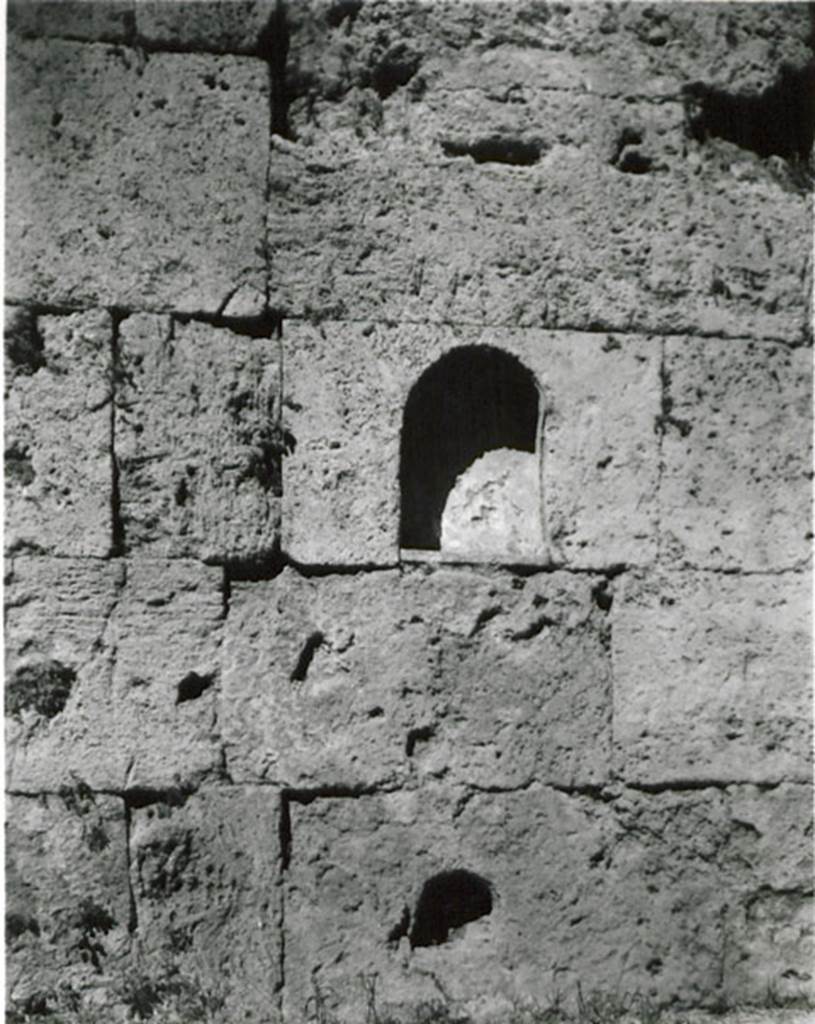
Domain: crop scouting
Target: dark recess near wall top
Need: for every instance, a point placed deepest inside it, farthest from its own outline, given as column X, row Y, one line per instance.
column 780, row 121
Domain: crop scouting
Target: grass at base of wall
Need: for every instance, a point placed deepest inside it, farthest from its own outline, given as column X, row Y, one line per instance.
column 184, row 1003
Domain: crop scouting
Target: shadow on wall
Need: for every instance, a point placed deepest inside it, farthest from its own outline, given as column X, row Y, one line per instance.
column 468, row 469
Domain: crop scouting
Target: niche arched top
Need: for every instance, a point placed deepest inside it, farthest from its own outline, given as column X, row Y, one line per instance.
column 468, row 473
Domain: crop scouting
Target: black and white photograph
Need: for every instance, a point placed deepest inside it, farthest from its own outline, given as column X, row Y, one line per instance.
column 408, row 423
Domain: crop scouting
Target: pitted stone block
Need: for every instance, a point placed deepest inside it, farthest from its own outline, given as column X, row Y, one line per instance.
column 197, row 440
column 711, row 677
column 96, row 217
column 205, row 877
column 347, row 386
column 736, row 489
column 58, row 433
column 233, row 27
column 166, row 632
column 618, row 877
column 112, row 673
column 379, row 678
column 67, row 903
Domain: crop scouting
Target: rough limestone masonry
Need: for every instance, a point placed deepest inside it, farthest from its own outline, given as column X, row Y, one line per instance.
column 407, row 448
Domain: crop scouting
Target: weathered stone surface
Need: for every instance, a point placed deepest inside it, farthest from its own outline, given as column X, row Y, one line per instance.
column 735, row 490
column 770, row 927
column 232, row 27
column 712, row 677
column 111, row 682
column 87, row 20
column 641, row 252
column 205, row 878
column 197, row 440
column 58, row 673
column 166, row 631
column 612, row 215
column 132, row 181
column 626, row 49
column 719, row 849
column 601, row 892
column 376, row 679
column 67, row 902
column 58, row 462
column 346, row 388
column 494, row 508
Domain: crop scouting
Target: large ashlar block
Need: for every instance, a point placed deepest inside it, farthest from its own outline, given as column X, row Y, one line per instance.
column 205, row 877
column 67, row 906
column 111, row 675
column 492, row 164
column 136, row 181
column 571, row 241
column 736, row 489
column 712, row 677
column 380, row 678
column 631, row 894
column 197, row 440
column 58, row 674
column 770, row 947
column 346, row 389
column 166, row 631
column 687, row 869
column 58, row 433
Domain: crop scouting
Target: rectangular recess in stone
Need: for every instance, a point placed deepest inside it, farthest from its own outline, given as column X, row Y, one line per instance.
column 58, row 674
column 712, row 677
column 58, row 433
column 347, row 386
column 166, row 632
column 736, row 489
column 197, row 440
column 67, row 903
column 136, row 180
column 373, row 679
column 206, row 885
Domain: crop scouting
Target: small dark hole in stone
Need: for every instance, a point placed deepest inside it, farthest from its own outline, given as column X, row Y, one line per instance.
column 395, row 69
column 496, row 150
column 447, row 901
column 181, row 493
column 192, row 686
column 602, row 596
column 420, row 735
column 306, row 656
column 634, row 162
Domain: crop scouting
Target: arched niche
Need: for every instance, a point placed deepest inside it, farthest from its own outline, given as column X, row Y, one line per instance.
column 466, row 421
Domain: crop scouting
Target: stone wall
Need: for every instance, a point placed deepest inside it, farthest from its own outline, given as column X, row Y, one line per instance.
column 408, row 478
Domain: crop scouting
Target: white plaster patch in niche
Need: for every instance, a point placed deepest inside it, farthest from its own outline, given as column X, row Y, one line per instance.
column 493, row 509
